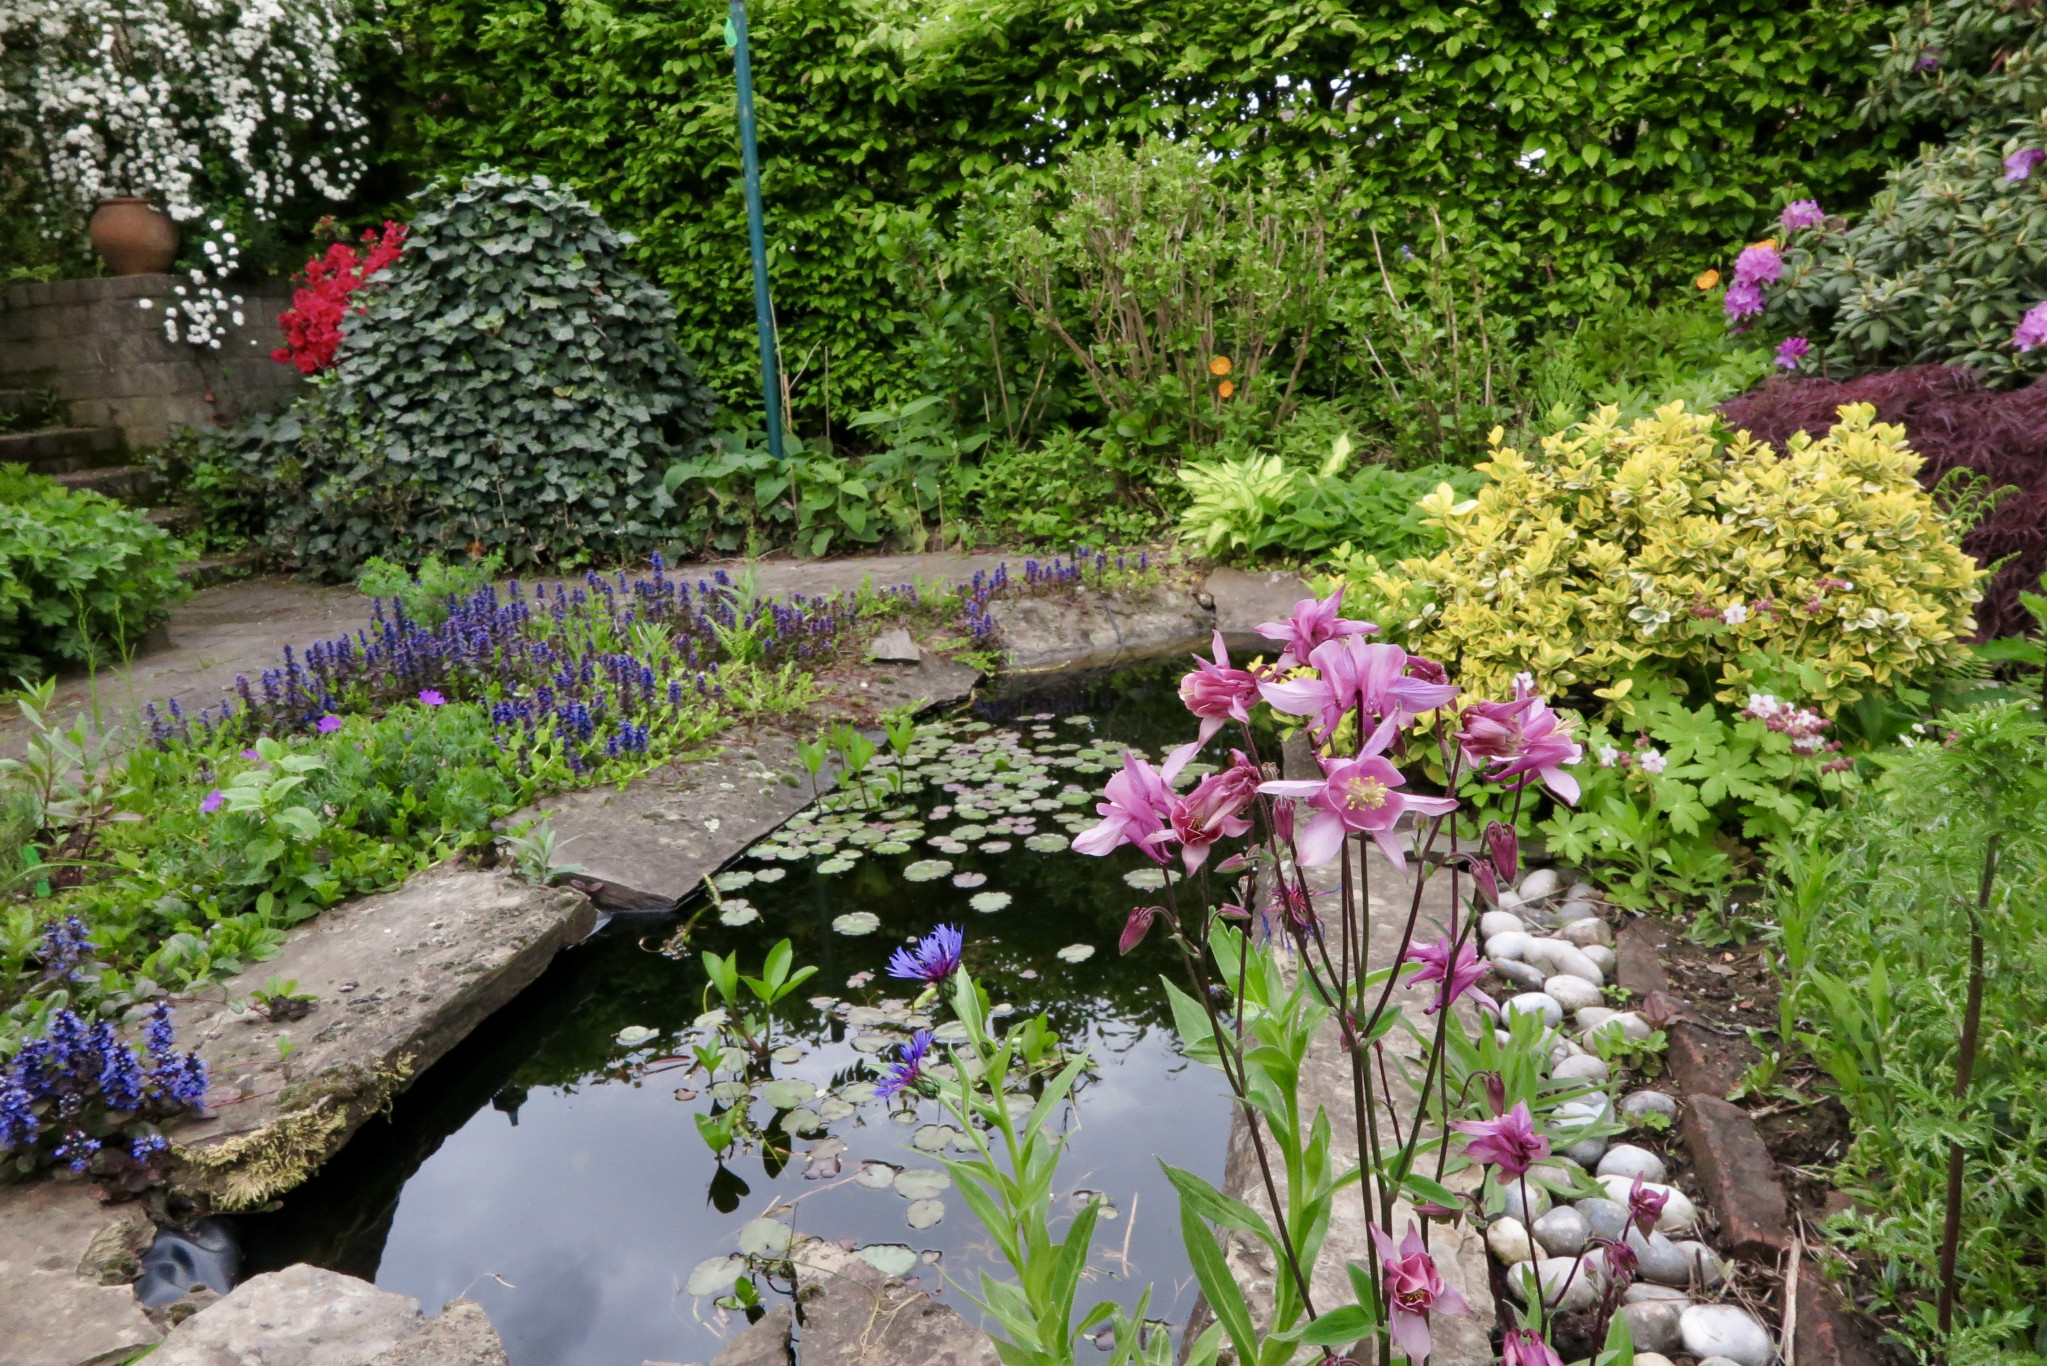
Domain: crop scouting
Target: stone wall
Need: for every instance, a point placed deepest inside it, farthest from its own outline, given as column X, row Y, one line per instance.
column 105, row 354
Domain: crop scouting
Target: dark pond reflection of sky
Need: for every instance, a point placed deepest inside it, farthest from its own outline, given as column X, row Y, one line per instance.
column 552, row 1174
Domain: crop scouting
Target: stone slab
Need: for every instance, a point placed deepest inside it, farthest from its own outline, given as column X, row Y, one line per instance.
column 1099, row 630
column 1638, row 967
column 1829, row 1331
column 1459, row 1250
column 853, row 1315
column 308, row 1316
column 460, row 1335
column 1243, row 598
column 1738, row 1177
column 1705, row 1062
column 65, row 1260
column 398, row 979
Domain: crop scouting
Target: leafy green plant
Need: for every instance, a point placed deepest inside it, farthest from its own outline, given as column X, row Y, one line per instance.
column 423, row 594
column 81, row 577
column 1072, row 485
column 536, row 854
column 515, row 387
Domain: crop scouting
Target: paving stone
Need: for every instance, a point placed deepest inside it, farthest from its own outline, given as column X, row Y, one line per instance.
column 1242, row 600
column 460, row 1335
column 64, row 1262
column 854, row 1315
column 1098, row 630
column 1638, row 966
column 1705, row 1063
column 1738, row 1177
column 300, row 1316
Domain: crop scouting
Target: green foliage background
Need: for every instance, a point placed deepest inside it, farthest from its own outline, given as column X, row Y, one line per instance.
column 1664, row 131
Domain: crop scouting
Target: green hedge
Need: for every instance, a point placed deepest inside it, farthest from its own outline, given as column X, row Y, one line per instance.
column 1665, row 132
column 81, row 577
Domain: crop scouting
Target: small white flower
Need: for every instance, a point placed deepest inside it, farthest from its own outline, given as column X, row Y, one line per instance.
column 1735, row 614
column 145, row 303
column 1608, row 756
column 1652, row 761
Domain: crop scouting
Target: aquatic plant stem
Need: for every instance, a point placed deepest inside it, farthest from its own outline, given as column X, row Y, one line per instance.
column 1965, row 1068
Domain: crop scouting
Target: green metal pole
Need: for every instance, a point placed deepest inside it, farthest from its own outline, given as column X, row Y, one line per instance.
column 763, row 309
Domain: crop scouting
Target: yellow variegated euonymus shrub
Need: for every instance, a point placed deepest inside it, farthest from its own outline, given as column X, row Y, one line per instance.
column 1661, row 545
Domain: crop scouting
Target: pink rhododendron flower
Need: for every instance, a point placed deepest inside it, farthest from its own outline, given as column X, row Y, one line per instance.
column 1758, row 265
column 1354, row 673
column 1313, row 623
column 1216, row 693
column 1213, row 809
column 2032, row 329
column 1140, row 802
column 1414, row 1290
column 1440, row 961
column 1525, row 1347
column 1801, row 213
column 1744, row 300
column 2019, row 165
column 1356, row 795
column 1507, row 1141
column 1508, row 742
column 1791, row 351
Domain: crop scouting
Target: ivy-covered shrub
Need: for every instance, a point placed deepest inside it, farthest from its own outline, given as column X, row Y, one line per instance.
column 515, row 386
column 1948, row 259
column 1667, row 548
column 1954, row 423
column 81, row 577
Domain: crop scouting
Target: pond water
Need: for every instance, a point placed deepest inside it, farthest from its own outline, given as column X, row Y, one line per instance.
column 550, row 1166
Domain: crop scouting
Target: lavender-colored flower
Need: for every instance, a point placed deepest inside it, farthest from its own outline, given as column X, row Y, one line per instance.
column 2019, row 165
column 1358, row 795
column 251, row 754
column 908, row 1069
column 1758, row 265
column 212, row 802
column 430, row 697
column 1458, row 967
column 933, row 959
column 2032, row 329
column 1801, row 213
column 329, row 724
column 1743, row 300
column 1507, row 1141
column 1216, row 693
column 1791, row 351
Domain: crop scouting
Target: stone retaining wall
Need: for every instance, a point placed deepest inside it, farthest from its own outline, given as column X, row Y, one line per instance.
column 107, row 358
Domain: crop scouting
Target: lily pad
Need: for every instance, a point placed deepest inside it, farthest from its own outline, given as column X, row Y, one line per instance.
column 931, row 1137
column 925, row 1213
column 857, row 923
column 1046, row 843
column 892, row 847
column 871, row 1043
column 996, row 847
column 964, row 880
column 787, row 1053
column 857, row 1092
column 738, row 913
column 890, row 1259
column 764, row 1238
column 1145, row 879
column 987, row 902
column 970, row 832
column 920, row 1183
column 831, row 1109
column 732, row 881
column 788, row 1094
column 876, row 1175
column 1077, row 953
column 715, row 1274
column 777, row 874
column 802, row 1120
column 838, row 863
column 926, row 870
column 730, row 1092
column 1078, row 720
column 632, row 1036
column 952, row 1034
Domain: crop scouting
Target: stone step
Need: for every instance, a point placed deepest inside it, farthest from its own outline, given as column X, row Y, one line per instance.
column 62, row 450
column 26, row 402
column 176, row 520
column 134, row 485
column 216, row 569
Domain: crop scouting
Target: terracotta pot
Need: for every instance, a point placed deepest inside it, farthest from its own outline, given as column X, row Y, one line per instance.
column 134, row 237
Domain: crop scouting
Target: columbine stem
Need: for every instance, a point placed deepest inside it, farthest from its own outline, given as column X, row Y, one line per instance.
column 1965, row 1068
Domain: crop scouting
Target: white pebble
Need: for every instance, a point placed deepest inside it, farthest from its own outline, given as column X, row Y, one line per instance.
column 1654, row 1325
column 1603, row 958
column 1641, row 1292
column 1500, row 922
column 1510, row 945
column 1524, row 975
column 1538, row 884
column 1562, row 1232
column 1649, row 1102
column 1709, row 1271
column 1559, row 1277
column 1679, row 1213
column 1536, row 1003
column 1575, row 910
column 1652, row 1359
column 1584, row 891
column 1627, row 1024
column 1538, row 1200
column 1586, row 1150
column 1593, row 1016
column 1726, row 1330
column 1508, row 1240
column 1581, row 1067
column 1572, row 993
column 1626, row 1159
column 1586, row 933
column 1510, row 899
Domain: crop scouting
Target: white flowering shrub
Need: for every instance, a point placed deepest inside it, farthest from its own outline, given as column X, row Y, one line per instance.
column 214, row 109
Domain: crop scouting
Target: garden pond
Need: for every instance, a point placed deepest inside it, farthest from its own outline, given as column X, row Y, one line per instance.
column 551, row 1168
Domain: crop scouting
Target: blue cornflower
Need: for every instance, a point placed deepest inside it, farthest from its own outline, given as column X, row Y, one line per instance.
column 934, row 957
column 908, row 1069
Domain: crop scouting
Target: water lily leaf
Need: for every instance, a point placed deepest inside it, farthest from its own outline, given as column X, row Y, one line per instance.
column 932, row 1137
column 876, row 1175
column 970, row 832
column 857, row 1092
column 787, row 1094
column 710, row 1019
column 838, row 864
column 920, row 1183
column 1046, row 843
column 989, row 902
column 832, row 1109
column 952, row 1033
column 871, row 1043
column 892, row 847
column 731, row 1092
column 823, row 1002
column 867, row 1017
column 1077, row 953
column 801, row 1121
column 787, row 1053
column 996, row 847
column 738, row 913
column 1145, row 879
column 965, row 880
column 732, row 881
column 764, row 1238
column 857, row 923
column 925, row 1213
column 776, row 874
column 632, row 1036
column 715, row 1274
column 890, row 1259
column 1078, row 720
column 926, row 870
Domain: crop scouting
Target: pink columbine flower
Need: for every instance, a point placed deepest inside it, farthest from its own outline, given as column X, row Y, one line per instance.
column 1645, row 1205
column 1140, row 802
column 1520, row 741
column 1356, row 795
column 1801, row 213
column 1507, row 1141
column 1414, row 1290
column 329, row 724
column 1791, row 351
column 1354, row 673
column 1525, row 1347
column 2032, row 329
column 1313, row 623
column 1440, row 961
column 1212, row 810
column 431, row 698
column 1137, row 926
column 1216, row 693
column 2019, row 165
column 212, row 802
